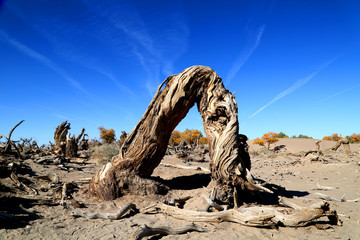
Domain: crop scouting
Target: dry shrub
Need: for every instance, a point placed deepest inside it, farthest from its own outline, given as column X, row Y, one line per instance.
column 104, row 153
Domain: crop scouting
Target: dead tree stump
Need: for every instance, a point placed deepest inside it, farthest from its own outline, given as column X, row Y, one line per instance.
column 146, row 145
column 65, row 143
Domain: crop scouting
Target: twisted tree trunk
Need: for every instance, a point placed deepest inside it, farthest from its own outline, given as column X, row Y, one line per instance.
column 145, row 146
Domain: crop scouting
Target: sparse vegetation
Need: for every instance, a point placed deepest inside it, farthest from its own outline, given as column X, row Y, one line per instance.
column 103, row 154
column 333, row 137
column 301, row 136
column 354, row 138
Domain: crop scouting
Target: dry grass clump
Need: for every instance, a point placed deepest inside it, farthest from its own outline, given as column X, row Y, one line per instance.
column 103, row 154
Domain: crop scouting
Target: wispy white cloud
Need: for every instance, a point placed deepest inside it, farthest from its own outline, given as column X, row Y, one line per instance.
column 58, row 34
column 338, row 93
column 249, row 50
column 298, row 84
column 6, row 38
column 155, row 49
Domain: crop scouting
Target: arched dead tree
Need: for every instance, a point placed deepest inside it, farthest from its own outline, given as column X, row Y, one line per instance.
column 64, row 142
column 345, row 142
column 145, row 146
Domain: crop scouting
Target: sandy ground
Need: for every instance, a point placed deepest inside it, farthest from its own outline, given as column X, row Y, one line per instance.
column 286, row 168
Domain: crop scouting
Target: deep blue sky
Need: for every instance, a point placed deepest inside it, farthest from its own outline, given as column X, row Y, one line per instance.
column 294, row 65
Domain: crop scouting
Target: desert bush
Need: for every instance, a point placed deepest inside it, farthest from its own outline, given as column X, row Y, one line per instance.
column 267, row 139
column 190, row 136
column 333, row 137
column 282, row 135
column 258, row 141
column 270, row 138
column 203, row 140
column 103, row 154
column 107, row 135
column 175, row 138
column 301, row 136
column 354, row 138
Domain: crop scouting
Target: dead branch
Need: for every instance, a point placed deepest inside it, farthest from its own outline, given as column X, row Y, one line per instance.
column 253, row 185
column 324, row 188
column 165, row 230
column 80, row 135
column 113, row 216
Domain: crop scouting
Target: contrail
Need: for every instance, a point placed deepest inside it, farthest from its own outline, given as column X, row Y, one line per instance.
column 339, row 93
column 40, row 58
column 245, row 56
column 299, row 83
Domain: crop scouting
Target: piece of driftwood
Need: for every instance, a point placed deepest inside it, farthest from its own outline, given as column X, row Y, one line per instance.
column 259, row 216
column 185, row 167
column 165, row 230
column 146, row 145
column 113, row 216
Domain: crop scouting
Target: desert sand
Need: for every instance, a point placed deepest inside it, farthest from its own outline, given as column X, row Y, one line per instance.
column 304, row 179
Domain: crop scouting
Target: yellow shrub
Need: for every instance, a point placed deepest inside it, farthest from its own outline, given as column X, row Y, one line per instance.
column 107, row 135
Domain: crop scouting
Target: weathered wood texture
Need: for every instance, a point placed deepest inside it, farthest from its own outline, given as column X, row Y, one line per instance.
column 145, row 146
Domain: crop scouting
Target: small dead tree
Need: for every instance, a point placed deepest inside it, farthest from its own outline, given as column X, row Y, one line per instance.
column 145, row 146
